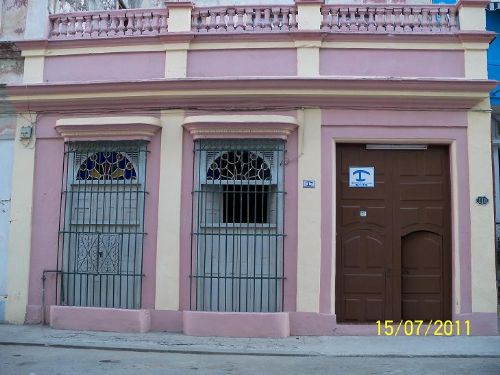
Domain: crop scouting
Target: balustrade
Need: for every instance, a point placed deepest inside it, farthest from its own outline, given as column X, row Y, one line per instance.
column 108, row 24
column 389, row 19
column 335, row 19
column 264, row 18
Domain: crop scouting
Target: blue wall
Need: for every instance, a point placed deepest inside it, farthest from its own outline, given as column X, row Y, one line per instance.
column 493, row 24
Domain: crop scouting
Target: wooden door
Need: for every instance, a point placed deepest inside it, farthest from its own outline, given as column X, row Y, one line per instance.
column 393, row 239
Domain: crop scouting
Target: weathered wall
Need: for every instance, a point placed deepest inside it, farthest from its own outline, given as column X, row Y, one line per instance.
column 12, row 19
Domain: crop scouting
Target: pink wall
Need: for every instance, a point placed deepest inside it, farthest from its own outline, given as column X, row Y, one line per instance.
column 352, row 126
column 242, row 62
column 48, row 178
column 105, row 67
column 392, row 63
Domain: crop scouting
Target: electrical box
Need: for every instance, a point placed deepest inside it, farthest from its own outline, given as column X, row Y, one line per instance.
column 25, row 132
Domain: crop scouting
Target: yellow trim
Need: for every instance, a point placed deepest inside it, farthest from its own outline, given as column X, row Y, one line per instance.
column 18, row 263
column 308, row 62
column 33, row 69
column 472, row 19
column 179, row 19
column 200, row 45
column 482, row 218
column 109, row 120
column 309, row 211
column 169, row 212
column 273, row 92
column 393, row 45
column 476, row 64
column 455, row 227
column 241, row 119
column 309, row 16
column 176, row 64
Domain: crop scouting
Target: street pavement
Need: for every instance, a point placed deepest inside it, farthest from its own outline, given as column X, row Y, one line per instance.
column 338, row 346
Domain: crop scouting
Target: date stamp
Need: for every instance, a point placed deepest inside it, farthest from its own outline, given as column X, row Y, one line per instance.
column 423, row 328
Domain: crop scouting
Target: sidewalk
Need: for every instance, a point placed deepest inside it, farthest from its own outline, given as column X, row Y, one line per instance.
column 335, row 346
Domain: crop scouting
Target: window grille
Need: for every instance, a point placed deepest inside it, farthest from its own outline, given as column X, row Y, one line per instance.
column 102, row 226
column 238, row 217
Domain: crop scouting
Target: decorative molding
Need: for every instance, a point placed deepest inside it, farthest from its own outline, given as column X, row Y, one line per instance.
column 244, row 126
column 108, row 128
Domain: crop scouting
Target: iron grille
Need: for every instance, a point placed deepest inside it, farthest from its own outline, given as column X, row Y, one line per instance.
column 238, row 221
column 102, row 228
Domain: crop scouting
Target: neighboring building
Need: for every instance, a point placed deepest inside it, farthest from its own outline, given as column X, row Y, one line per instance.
column 493, row 24
column 12, row 20
column 254, row 170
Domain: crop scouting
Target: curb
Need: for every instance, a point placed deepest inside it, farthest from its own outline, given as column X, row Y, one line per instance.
column 245, row 353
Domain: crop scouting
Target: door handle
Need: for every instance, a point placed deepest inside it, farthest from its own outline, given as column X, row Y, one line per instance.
column 388, row 272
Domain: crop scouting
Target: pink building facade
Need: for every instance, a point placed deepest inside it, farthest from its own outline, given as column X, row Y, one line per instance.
column 254, row 171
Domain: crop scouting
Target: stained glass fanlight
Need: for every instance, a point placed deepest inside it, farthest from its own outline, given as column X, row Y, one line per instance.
column 109, row 165
column 239, row 165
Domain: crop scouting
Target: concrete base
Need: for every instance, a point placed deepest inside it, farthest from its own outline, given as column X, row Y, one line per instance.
column 203, row 323
column 99, row 319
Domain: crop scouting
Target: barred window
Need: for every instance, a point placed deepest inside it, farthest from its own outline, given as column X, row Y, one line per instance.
column 237, row 254
column 102, row 229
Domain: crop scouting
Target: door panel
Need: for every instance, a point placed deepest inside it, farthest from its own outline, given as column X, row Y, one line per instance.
column 393, row 240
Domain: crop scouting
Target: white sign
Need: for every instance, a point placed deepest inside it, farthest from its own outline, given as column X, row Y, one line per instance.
column 308, row 184
column 362, row 177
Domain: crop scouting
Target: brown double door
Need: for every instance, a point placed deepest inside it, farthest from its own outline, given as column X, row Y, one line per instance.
column 393, row 239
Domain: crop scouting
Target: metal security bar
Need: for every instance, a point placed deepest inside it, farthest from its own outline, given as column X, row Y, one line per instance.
column 102, row 227
column 238, row 221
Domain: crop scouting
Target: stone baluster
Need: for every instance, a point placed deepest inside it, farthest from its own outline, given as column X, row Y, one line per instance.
column 138, row 24
column 285, row 20
column 195, row 20
column 221, row 20
column 389, row 20
column 240, row 13
column 249, row 12
column 353, row 24
column 276, row 19
column 203, row 21
column 267, row 19
column 406, row 19
column 163, row 22
column 343, row 19
column 87, row 29
column 293, row 19
column 212, row 21
column 146, row 23
column 362, row 26
column 95, row 26
column 120, row 28
column 155, row 22
column 452, row 13
column 230, row 19
column 103, row 23
column 371, row 20
column 55, row 27
column 380, row 19
column 424, row 23
column 113, row 25
column 130, row 23
column 325, row 13
column 64, row 28
column 434, row 20
column 71, row 27
column 259, row 19
column 443, row 20
column 398, row 12
column 79, row 26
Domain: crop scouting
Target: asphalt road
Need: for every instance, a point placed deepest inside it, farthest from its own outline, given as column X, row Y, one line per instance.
column 31, row 360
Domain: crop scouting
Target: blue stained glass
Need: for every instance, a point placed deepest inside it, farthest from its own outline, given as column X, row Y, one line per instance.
column 107, row 165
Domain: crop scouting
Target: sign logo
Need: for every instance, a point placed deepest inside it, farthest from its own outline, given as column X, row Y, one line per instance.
column 362, row 177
